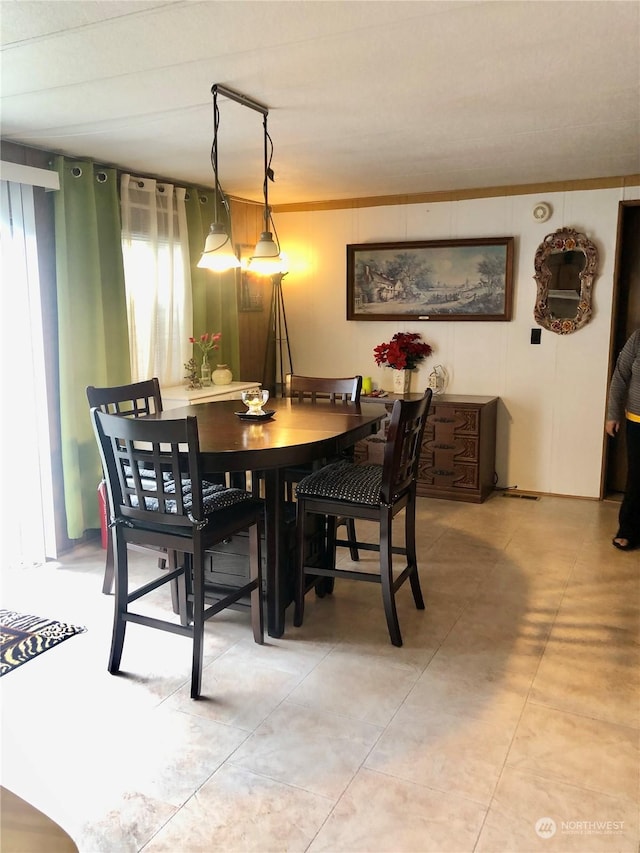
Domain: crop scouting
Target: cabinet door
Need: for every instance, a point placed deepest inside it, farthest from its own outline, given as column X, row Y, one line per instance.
column 450, row 448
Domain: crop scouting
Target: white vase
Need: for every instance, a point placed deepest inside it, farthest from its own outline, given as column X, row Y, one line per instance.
column 401, row 381
column 221, row 375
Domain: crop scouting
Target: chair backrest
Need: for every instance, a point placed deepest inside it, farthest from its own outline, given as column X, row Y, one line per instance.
column 134, row 400
column 403, row 445
column 143, row 460
column 345, row 389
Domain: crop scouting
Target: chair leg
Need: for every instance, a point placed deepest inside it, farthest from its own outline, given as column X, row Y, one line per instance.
column 351, row 536
column 412, row 554
column 386, row 580
column 120, row 603
column 185, row 590
column 107, row 583
column 255, row 569
column 197, row 564
column 298, row 613
column 179, row 589
column 169, row 564
column 332, row 533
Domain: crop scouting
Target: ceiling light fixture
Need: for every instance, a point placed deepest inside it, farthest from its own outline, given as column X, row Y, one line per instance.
column 218, row 254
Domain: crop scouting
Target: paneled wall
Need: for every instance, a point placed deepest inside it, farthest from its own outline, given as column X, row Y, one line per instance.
column 253, row 322
column 551, row 414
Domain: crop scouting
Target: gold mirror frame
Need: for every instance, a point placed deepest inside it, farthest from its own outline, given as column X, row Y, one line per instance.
column 564, row 240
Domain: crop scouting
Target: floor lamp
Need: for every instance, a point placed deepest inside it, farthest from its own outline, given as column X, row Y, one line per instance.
column 278, row 347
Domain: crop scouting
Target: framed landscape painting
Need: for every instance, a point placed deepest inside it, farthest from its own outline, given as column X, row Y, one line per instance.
column 431, row 280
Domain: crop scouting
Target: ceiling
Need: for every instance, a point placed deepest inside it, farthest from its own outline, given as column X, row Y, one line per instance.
column 365, row 97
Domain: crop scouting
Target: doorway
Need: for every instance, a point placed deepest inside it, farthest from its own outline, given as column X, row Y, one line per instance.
column 626, row 313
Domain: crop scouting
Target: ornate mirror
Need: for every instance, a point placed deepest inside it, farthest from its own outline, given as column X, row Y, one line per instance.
column 566, row 264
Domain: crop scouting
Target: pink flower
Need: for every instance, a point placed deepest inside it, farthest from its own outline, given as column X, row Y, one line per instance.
column 207, row 341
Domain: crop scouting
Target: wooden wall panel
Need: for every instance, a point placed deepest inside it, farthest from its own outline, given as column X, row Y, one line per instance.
column 253, row 326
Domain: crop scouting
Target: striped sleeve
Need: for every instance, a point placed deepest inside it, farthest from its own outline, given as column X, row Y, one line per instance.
column 624, row 390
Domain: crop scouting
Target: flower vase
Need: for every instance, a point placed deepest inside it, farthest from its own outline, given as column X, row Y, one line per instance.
column 205, row 372
column 401, row 381
column 222, row 375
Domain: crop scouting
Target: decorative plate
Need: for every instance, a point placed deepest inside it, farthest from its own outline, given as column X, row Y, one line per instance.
column 265, row 416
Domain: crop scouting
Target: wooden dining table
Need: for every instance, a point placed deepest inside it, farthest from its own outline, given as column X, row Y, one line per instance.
column 297, row 433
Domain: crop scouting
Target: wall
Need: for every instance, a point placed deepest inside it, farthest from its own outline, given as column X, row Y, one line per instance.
column 553, row 395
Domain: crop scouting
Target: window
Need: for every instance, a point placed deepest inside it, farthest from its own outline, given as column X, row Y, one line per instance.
column 155, row 251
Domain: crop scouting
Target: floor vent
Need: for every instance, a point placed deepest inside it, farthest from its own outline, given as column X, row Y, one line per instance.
column 521, row 496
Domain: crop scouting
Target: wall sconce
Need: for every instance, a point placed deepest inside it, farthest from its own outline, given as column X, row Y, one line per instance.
column 218, row 254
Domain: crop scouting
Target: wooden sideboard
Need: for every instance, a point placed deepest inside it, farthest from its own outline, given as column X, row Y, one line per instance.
column 458, row 456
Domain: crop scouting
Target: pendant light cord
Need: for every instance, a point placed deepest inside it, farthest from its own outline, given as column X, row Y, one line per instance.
column 214, row 153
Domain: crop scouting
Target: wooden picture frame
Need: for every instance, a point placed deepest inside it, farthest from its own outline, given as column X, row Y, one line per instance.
column 251, row 287
column 431, row 280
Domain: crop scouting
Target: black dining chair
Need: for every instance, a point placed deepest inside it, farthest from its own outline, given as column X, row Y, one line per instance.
column 343, row 389
column 157, row 496
column 302, row 389
column 133, row 400
column 374, row 492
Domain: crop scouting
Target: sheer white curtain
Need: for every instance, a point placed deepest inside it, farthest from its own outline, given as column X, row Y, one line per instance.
column 157, row 275
column 27, row 534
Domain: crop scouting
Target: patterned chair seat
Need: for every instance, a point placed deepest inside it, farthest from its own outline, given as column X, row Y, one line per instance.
column 344, row 481
column 215, row 496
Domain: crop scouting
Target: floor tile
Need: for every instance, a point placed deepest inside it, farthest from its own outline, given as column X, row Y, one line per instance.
column 447, row 752
column 310, row 749
column 577, row 749
column 377, row 813
column 238, row 811
column 531, row 813
column 370, row 690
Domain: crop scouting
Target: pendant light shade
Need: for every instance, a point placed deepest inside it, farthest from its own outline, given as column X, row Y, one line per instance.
column 267, row 258
column 218, row 254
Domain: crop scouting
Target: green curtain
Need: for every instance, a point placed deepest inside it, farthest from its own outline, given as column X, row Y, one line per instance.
column 215, row 306
column 92, row 322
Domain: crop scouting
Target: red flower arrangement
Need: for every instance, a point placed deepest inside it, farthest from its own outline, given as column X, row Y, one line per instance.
column 403, row 352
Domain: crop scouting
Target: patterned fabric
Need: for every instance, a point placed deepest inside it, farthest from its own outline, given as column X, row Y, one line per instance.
column 344, row 481
column 215, row 496
column 624, row 391
column 22, row 637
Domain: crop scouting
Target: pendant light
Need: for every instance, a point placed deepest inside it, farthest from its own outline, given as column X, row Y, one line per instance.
column 218, row 254
column 266, row 258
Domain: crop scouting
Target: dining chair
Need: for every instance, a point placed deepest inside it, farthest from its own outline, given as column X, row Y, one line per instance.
column 157, row 496
column 374, row 492
column 346, row 389
column 343, row 389
column 133, row 400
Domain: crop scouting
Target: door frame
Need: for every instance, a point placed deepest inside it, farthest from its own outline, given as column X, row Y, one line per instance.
column 618, row 331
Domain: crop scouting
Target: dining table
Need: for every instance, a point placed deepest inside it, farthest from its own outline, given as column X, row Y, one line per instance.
column 294, row 433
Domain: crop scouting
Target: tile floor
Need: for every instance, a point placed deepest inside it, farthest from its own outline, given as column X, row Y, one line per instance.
column 508, row 722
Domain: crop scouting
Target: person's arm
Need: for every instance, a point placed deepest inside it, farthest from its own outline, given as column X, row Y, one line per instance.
column 619, row 387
